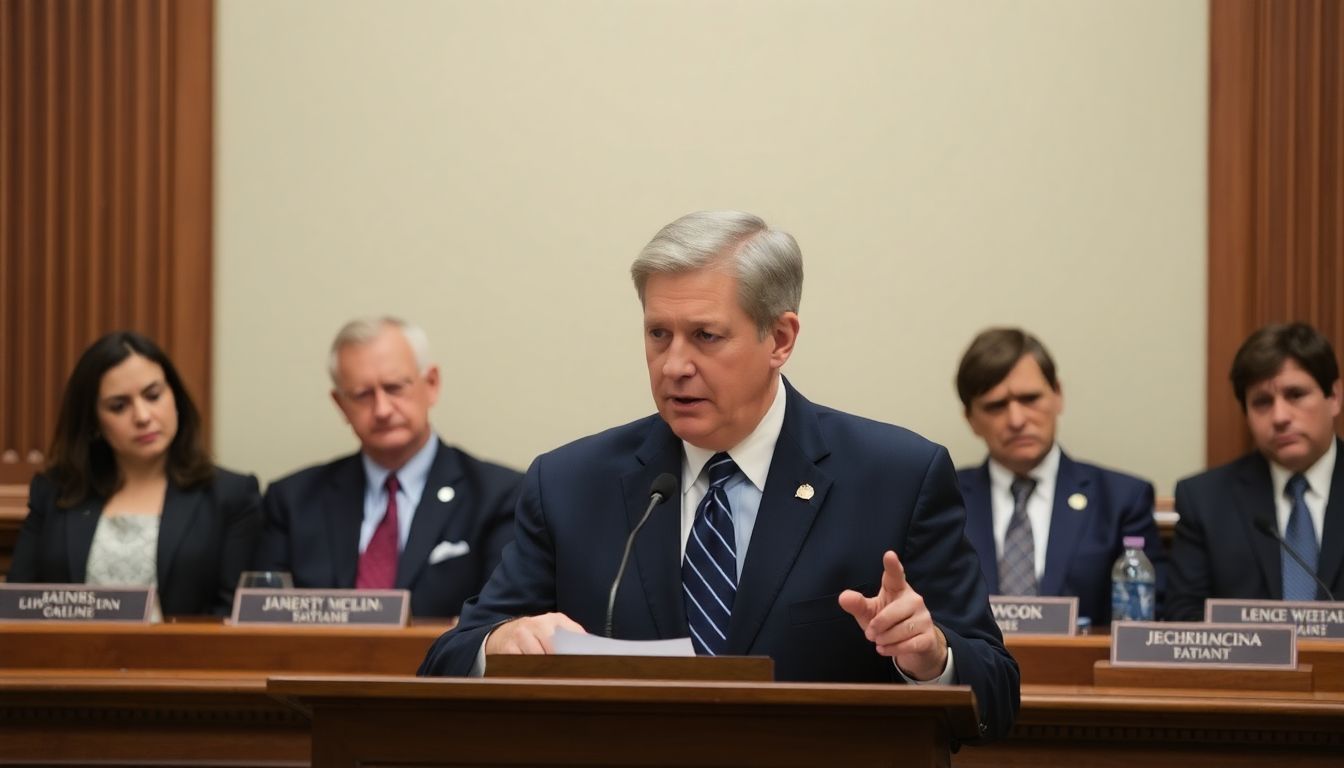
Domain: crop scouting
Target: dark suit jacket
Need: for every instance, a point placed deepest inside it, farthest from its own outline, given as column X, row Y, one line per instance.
column 1082, row 544
column 1219, row 553
column 312, row 521
column 875, row 487
column 206, row 535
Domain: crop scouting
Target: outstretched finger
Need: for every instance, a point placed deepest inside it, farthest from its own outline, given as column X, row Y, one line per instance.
column 893, row 575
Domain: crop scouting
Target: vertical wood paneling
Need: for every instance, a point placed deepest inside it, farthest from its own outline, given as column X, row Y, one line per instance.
column 1276, row 185
column 97, row 162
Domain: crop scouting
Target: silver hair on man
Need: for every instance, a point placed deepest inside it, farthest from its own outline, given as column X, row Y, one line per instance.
column 363, row 330
column 767, row 262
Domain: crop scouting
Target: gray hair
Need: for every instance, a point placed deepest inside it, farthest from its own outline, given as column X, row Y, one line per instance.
column 363, row 330
column 767, row 262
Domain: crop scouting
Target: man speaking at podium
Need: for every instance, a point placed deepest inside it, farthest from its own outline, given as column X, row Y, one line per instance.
column 830, row 543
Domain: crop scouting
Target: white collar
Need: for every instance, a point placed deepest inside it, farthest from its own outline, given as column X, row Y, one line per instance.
column 1318, row 475
column 752, row 455
column 1044, row 473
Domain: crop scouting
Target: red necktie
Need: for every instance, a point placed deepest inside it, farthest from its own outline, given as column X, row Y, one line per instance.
column 378, row 564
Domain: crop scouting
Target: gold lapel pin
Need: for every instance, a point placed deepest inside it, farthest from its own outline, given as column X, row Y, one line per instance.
column 804, row 492
column 1078, row 501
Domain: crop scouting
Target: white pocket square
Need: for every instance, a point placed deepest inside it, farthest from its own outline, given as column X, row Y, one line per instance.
column 447, row 550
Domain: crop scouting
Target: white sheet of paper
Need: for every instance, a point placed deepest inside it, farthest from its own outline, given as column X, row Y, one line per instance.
column 581, row 643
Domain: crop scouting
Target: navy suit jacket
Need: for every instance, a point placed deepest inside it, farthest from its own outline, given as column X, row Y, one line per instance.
column 1219, row 553
column 875, row 487
column 1082, row 544
column 206, row 535
column 313, row 517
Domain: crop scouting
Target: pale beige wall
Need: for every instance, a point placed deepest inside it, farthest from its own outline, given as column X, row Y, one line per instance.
column 490, row 168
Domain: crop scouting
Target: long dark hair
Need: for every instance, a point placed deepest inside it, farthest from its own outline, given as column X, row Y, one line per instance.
column 81, row 463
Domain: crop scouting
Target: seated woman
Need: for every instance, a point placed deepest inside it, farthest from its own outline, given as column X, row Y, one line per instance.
column 129, row 496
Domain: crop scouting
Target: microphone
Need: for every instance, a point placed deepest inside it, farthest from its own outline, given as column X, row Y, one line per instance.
column 1267, row 528
column 662, row 486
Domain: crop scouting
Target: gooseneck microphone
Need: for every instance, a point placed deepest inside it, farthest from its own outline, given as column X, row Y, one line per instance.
column 662, row 487
column 1267, row 528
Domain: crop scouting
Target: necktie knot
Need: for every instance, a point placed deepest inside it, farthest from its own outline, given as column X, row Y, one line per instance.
column 1297, row 487
column 721, row 468
column 1022, row 488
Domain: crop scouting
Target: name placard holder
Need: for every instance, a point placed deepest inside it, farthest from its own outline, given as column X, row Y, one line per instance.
column 322, row 607
column 1197, row 655
column 75, row 602
column 1312, row 618
column 1035, row 615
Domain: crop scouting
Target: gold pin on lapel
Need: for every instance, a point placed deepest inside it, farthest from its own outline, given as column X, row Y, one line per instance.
column 1078, row 501
column 446, row 494
column 804, row 492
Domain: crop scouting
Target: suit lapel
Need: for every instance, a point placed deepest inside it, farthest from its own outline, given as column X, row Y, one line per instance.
column 1256, row 502
column 81, row 524
column 1332, row 532
column 657, row 552
column 180, row 508
column 975, row 493
column 1066, row 523
column 783, row 521
column 343, row 510
column 431, row 515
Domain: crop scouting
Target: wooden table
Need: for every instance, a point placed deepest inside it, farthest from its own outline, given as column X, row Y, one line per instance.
column 187, row 693
column 1066, row 720
column 176, row 693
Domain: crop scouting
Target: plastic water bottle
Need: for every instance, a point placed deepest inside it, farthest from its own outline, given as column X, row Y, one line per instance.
column 1133, row 584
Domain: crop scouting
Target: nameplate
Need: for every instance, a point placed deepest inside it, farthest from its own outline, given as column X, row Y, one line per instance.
column 1035, row 615
column 322, row 607
column 1197, row 645
column 75, row 602
column 1313, row 619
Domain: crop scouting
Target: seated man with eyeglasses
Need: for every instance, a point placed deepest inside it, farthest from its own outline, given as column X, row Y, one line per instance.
column 407, row 511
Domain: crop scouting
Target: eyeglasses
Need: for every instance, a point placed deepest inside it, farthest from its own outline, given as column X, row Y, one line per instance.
column 366, row 396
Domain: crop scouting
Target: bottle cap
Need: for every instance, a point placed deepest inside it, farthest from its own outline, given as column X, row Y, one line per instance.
column 1133, row 542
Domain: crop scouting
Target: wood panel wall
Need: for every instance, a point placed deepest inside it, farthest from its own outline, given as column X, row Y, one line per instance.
column 106, row 110
column 1276, row 185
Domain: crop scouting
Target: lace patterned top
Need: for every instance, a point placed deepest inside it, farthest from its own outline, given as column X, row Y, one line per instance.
column 124, row 551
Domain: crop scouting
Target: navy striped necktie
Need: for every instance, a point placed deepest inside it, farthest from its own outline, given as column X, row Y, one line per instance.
column 709, row 572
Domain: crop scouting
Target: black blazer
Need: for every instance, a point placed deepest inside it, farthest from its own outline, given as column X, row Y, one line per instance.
column 312, row 521
column 206, row 534
column 841, row 491
column 1218, row 552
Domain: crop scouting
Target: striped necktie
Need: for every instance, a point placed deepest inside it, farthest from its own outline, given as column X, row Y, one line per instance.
column 1017, row 566
column 709, row 572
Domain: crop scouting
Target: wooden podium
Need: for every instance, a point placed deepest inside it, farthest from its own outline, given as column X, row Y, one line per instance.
column 366, row 721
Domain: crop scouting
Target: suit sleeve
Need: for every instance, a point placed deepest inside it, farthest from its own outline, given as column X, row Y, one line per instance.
column 239, row 500
column 944, row 569
column 1188, row 578
column 497, row 527
column 522, row 585
column 25, row 567
column 273, row 545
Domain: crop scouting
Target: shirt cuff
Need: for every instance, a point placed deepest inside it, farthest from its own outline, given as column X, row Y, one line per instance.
column 948, row 677
column 478, row 666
